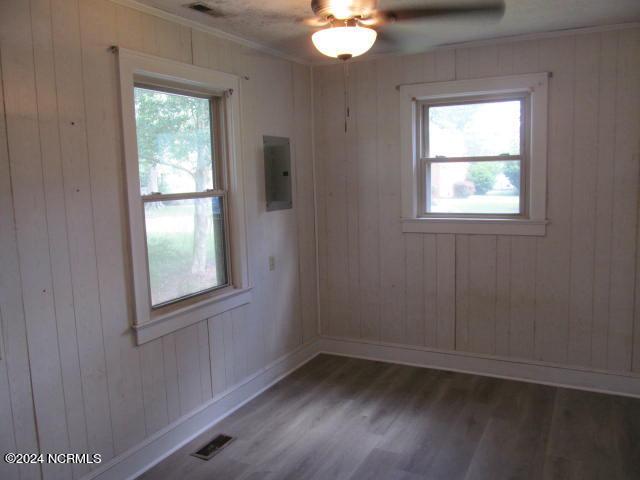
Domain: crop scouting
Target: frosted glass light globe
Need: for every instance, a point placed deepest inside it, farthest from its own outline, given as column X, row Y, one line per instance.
column 344, row 42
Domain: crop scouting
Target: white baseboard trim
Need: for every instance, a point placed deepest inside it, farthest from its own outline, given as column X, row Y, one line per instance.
column 163, row 443
column 534, row 372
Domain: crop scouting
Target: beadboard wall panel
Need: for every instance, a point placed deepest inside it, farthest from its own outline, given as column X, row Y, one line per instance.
column 19, row 434
column 568, row 298
column 69, row 362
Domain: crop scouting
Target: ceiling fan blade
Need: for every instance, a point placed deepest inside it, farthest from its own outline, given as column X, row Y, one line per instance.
column 489, row 10
column 386, row 42
column 315, row 22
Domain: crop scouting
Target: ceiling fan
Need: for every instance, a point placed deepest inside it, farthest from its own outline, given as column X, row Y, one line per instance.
column 349, row 27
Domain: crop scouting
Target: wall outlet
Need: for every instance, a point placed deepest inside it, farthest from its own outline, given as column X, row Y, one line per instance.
column 272, row 263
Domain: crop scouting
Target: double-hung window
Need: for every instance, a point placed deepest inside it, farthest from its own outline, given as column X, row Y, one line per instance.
column 474, row 156
column 188, row 246
column 183, row 190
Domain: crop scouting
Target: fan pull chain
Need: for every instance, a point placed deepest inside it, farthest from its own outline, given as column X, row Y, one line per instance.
column 347, row 108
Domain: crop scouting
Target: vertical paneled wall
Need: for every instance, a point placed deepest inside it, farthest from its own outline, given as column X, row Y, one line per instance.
column 568, row 298
column 71, row 378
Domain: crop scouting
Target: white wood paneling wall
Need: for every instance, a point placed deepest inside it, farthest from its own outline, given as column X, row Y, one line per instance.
column 71, row 378
column 568, row 298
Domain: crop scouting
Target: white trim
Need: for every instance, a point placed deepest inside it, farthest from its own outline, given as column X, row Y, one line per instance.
column 487, row 42
column 157, row 447
column 489, row 226
column 172, row 17
column 190, row 314
column 523, row 37
column 134, row 66
column 322, row 60
column 616, row 383
column 160, row 445
column 536, row 86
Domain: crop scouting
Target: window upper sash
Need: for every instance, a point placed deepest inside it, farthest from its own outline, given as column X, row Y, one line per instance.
column 423, row 127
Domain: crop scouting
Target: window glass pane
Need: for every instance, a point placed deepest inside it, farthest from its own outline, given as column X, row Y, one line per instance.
column 475, row 129
column 477, row 187
column 185, row 246
column 174, row 142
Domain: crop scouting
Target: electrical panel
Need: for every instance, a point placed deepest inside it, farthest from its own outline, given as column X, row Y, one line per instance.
column 277, row 172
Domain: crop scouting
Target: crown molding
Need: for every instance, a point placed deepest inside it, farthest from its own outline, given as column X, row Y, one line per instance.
column 136, row 5
column 491, row 41
column 172, row 17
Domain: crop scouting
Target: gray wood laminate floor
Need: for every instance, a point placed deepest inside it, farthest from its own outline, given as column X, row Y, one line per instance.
column 343, row 418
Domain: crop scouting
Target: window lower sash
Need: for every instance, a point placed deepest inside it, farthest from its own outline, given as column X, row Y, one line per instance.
column 426, row 186
column 177, row 249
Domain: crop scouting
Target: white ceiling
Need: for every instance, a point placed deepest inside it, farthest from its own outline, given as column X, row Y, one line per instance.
column 273, row 23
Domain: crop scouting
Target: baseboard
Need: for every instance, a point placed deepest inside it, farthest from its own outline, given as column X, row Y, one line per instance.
column 535, row 372
column 160, row 445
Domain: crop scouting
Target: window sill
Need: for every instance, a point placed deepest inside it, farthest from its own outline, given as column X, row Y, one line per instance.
column 475, row 226
column 169, row 322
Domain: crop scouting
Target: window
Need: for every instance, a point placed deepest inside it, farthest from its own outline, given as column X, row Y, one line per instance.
column 472, row 160
column 178, row 139
column 186, row 211
column 473, row 157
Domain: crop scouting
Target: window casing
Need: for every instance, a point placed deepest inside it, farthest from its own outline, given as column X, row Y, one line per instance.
column 186, row 217
column 512, row 209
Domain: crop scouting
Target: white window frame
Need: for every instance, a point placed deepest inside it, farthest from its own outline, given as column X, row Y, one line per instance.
column 532, row 218
column 151, row 323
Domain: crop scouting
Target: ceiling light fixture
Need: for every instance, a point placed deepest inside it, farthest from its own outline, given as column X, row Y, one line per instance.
column 344, row 42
